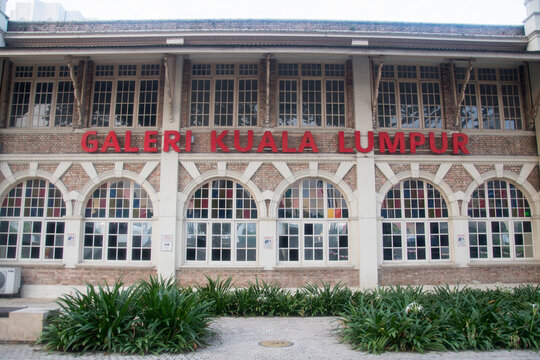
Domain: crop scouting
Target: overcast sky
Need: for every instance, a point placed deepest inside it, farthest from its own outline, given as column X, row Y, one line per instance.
column 509, row 12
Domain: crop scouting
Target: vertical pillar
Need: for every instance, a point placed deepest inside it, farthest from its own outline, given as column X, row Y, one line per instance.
column 165, row 259
column 73, row 228
column 460, row 226
column 365, row 227
column 267, row 253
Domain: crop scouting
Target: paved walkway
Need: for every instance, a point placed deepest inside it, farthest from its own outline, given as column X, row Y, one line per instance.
column 239, row 337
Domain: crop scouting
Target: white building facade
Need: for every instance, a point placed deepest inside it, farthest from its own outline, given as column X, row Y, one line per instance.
column 290, row 151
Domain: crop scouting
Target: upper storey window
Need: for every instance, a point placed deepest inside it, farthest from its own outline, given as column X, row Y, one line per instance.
column 224, row 95
column 125, row 95
column 41, row 96
column 311, row 95
column 409, row 97
column 492, row 99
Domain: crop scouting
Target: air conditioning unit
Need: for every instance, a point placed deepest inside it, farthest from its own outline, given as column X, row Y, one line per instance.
column 10, row 281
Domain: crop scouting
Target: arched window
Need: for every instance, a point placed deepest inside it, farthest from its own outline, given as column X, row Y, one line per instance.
column 415, row 225
column 31, row 225
column 221, row 224
column 313, row 225
column 118, row 226
column 500, row 225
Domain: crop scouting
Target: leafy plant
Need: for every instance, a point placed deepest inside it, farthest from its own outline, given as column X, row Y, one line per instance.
column 154, row 316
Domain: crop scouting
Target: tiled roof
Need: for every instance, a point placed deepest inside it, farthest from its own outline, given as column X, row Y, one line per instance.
column 283, row 26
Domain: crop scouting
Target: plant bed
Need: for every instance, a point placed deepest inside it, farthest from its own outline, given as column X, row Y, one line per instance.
column 153, row 316
column 157, row 316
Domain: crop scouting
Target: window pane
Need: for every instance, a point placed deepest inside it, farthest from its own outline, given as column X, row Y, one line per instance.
column 386, row 104
column 101, row 108
column 65, row 99
column 431, row 101
column 223, row 102
column 335, row 103
column 511, row 107
column 247, row 102
column 148, row 102
column 42, row 104
column 408, row 98
column 490, row 106
column 200, row 102
column 20, row 104
column 288, row 102
column 311, row 103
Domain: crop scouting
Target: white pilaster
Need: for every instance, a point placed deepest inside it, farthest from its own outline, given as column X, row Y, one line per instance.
column 73, row 239
column 364, row 229
column 165, row 261
column 460, row 239
column 268, row 252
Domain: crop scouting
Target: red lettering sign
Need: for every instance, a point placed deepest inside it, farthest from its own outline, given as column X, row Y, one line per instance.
column 244, row 143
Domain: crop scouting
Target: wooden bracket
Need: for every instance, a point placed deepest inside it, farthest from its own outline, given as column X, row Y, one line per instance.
column 168, row 87
column 76, row 91
column 534, row 111
column 462, row 91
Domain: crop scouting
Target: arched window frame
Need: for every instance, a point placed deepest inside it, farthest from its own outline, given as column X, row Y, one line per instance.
column 500, row 223
column 310, row 234
column 221, row 225
column 415, row 224
column 32, row 225
column 118, row 229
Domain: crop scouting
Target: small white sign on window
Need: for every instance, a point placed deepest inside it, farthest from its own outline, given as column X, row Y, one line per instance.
column 166, row 242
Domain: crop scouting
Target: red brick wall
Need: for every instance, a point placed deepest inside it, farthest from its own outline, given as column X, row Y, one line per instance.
column 506, row 274
column 75, row 277
column 286, row 278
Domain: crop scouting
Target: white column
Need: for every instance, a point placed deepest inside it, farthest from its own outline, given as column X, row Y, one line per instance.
column 165, row 261
column 267, row 254
column 73, row 239
column 365, row 227
column 460, row 227
column 366, row 235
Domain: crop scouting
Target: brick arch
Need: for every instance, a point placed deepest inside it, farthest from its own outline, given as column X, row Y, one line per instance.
column 441, row 186
column 21, row 176
column 86, row 192
column 532, row 196
column 190, row 188
column 341, row 185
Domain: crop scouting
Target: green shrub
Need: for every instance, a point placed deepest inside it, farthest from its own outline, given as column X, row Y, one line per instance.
column 154, row 316
column 410, row 319
column 325, row 300
column 219, row 293
column 103, row 318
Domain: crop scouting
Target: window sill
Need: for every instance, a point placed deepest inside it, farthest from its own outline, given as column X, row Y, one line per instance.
column 115, row 266
column 39, row 130
column 218, row 267
column 17, row 263
column 409, row 265
column 345, row 266
column 492, row 262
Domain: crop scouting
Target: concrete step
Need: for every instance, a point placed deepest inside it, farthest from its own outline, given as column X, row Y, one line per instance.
column 22, row 319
